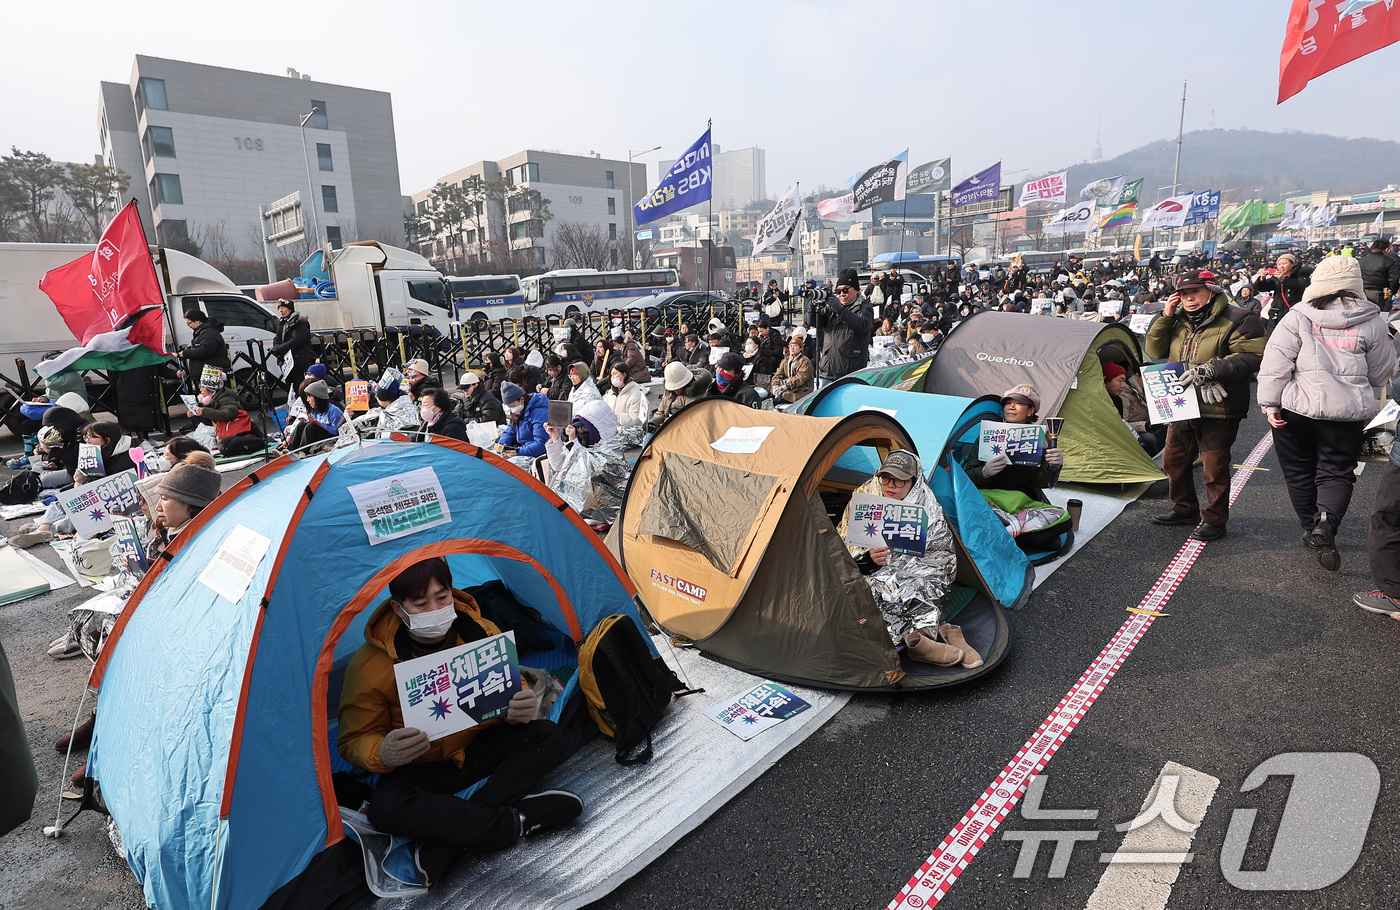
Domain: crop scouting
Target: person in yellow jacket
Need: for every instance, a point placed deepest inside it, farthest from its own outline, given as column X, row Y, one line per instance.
column 417, row 778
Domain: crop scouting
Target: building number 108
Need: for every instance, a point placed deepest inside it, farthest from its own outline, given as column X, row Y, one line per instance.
column 249, row 144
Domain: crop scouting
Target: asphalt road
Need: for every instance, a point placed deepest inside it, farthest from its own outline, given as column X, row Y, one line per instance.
column 1263, row 654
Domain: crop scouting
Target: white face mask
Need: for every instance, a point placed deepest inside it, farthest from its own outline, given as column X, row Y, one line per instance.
column 617, row 382
column 515, row 409
column 432, row 624
column 166, row 464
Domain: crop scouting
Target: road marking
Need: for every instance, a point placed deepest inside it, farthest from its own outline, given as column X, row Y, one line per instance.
column 931, row 882
column 1143, row 869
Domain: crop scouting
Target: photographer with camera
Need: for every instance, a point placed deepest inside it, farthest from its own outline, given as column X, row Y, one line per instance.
column 846, row 319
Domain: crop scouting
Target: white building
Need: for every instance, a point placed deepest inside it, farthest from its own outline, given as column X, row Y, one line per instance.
column 208, row 146
column 585, row 189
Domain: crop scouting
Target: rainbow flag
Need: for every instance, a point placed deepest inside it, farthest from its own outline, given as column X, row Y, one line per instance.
column 1118, row 217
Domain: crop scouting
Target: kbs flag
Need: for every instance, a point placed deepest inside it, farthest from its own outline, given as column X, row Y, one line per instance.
column 111, row 301
column 1046, row 189
column 1073, row 220
column 1323, row 36
column 687, row 183
column 885, row 182
column 983, row 186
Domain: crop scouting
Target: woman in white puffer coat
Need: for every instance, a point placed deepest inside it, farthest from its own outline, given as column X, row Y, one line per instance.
column 1317, row 384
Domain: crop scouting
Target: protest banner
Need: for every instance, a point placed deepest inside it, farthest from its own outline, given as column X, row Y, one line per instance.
column 1021, row 443
column 393, row 507
column 877, row 521
column 92, row 505
column 1168, row 400
column 459, row 688
column 763, row 706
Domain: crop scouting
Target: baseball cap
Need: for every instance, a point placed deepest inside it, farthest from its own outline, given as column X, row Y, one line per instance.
column 1024, row 393
column 1197, row 278
column 900, row 464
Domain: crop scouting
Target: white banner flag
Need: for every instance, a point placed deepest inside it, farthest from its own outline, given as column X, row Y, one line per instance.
column 1073, row 220
column 842, row 208
column 1046, row 189
column 777, row 225
column 1169, row 213
column 1105, row 192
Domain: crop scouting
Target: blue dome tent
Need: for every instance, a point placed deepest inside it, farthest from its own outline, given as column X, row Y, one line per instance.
column 214, row 747
column 937, row 424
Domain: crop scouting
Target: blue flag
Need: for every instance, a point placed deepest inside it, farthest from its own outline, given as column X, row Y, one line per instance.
column 1204, row 207
column 982, row 186
column 687, row 183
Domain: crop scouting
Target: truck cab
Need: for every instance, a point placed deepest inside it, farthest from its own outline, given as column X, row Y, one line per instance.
column 378, row 286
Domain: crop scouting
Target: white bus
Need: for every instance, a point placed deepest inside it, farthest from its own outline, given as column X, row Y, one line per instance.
column 569, row 292
column 482, row 298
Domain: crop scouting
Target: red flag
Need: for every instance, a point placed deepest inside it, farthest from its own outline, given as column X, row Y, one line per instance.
column 1319, row 38
column 95, row 294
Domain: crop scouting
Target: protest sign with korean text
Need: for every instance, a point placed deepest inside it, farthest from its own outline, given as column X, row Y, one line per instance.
column 403, row 504
column 92, row 505
column 129, row 552
column 357, row 395
column 90, row 459
column 1168, row 400
column 459, row 688
column 763, row 706
column 878, row 521
column 1021, row 443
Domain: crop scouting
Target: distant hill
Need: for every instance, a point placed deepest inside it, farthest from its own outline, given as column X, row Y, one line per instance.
column 1253, row 163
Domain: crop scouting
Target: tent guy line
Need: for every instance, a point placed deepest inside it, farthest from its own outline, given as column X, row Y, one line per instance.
column 931, row 882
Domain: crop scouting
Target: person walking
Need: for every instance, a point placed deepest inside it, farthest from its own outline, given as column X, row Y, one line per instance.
column 1383, row 541
column 1380, row 273
column 1221, row 345
column 1317, row 388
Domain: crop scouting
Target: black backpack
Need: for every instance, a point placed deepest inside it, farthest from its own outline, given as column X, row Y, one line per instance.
column 627, row 690
column 22, row 488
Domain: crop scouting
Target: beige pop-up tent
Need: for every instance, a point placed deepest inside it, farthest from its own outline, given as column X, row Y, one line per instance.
column 728, row 530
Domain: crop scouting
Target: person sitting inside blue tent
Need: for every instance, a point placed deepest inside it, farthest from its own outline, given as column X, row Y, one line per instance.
column 1016, row 491
column 417, row 778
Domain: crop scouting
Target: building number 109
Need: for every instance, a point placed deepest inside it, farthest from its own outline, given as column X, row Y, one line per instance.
column 249, row 144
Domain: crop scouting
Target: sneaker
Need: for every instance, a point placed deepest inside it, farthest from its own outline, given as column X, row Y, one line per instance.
column 1378, row 601
column 65, row 647
column 17, row 463
column 1322, row 539
column 24, row 541
column 1175, row 518
column 547, row 809
column 1208, row 532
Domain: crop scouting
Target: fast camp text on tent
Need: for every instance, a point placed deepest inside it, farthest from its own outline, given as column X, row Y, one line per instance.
column 678, row 586
column 992, row 358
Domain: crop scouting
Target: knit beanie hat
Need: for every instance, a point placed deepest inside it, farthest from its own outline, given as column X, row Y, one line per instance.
column 319, row 389
column 1112, row 370
column 191, row 483
column 317, row 369
column 511, row 393
column 1335, row 274
column 847, row 278
column 581, row 370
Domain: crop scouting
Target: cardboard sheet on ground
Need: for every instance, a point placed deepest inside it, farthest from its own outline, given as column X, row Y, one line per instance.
column 635, row 814
column 55, row 577
column 18, row 579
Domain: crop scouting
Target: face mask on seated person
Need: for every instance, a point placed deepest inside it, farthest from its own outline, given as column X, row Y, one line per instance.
column 723, row 379
column 617, row 382
column 432, row 624
column 428, row 412
column 516, row 409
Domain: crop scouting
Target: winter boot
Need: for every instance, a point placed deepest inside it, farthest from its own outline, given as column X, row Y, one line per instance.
column 953, row 635
column 924, row 648
column 1322, row 538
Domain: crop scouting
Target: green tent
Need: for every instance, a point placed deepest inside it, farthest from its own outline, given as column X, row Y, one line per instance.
column 993, row 351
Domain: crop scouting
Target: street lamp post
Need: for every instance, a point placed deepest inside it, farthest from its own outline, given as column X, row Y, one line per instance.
column 631, row 216
column 310, row 188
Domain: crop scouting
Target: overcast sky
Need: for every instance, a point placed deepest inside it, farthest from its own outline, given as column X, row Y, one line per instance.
column 827, row 87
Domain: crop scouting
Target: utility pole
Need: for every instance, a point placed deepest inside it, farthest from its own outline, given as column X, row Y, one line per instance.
column 631, row 212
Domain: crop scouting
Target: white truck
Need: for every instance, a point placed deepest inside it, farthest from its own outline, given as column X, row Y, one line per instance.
column 30, row 324
column 377, row 286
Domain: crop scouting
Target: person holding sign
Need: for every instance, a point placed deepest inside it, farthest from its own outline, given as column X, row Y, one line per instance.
column 1020, row 405
column 909, row 588
column 418, row 777
column 293, row 343
column 1222, row 346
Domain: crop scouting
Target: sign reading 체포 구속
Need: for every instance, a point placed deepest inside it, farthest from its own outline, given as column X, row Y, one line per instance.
column 1021, row 443
column 400, row 505
column 461, row 687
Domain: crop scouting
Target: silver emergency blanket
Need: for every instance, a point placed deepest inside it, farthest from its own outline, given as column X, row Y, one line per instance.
column 1031, row 519
column 591, row 479
column 911, row 590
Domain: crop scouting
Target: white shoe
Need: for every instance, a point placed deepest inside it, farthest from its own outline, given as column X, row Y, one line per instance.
column 65, row 647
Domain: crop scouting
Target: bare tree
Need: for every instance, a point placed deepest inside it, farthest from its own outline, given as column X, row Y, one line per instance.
column 580, row 245
column 220, row 250
column 350, row 231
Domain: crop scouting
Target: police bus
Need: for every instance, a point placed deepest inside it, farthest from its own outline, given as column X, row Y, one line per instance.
column 481, row 298
column 569, row 292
